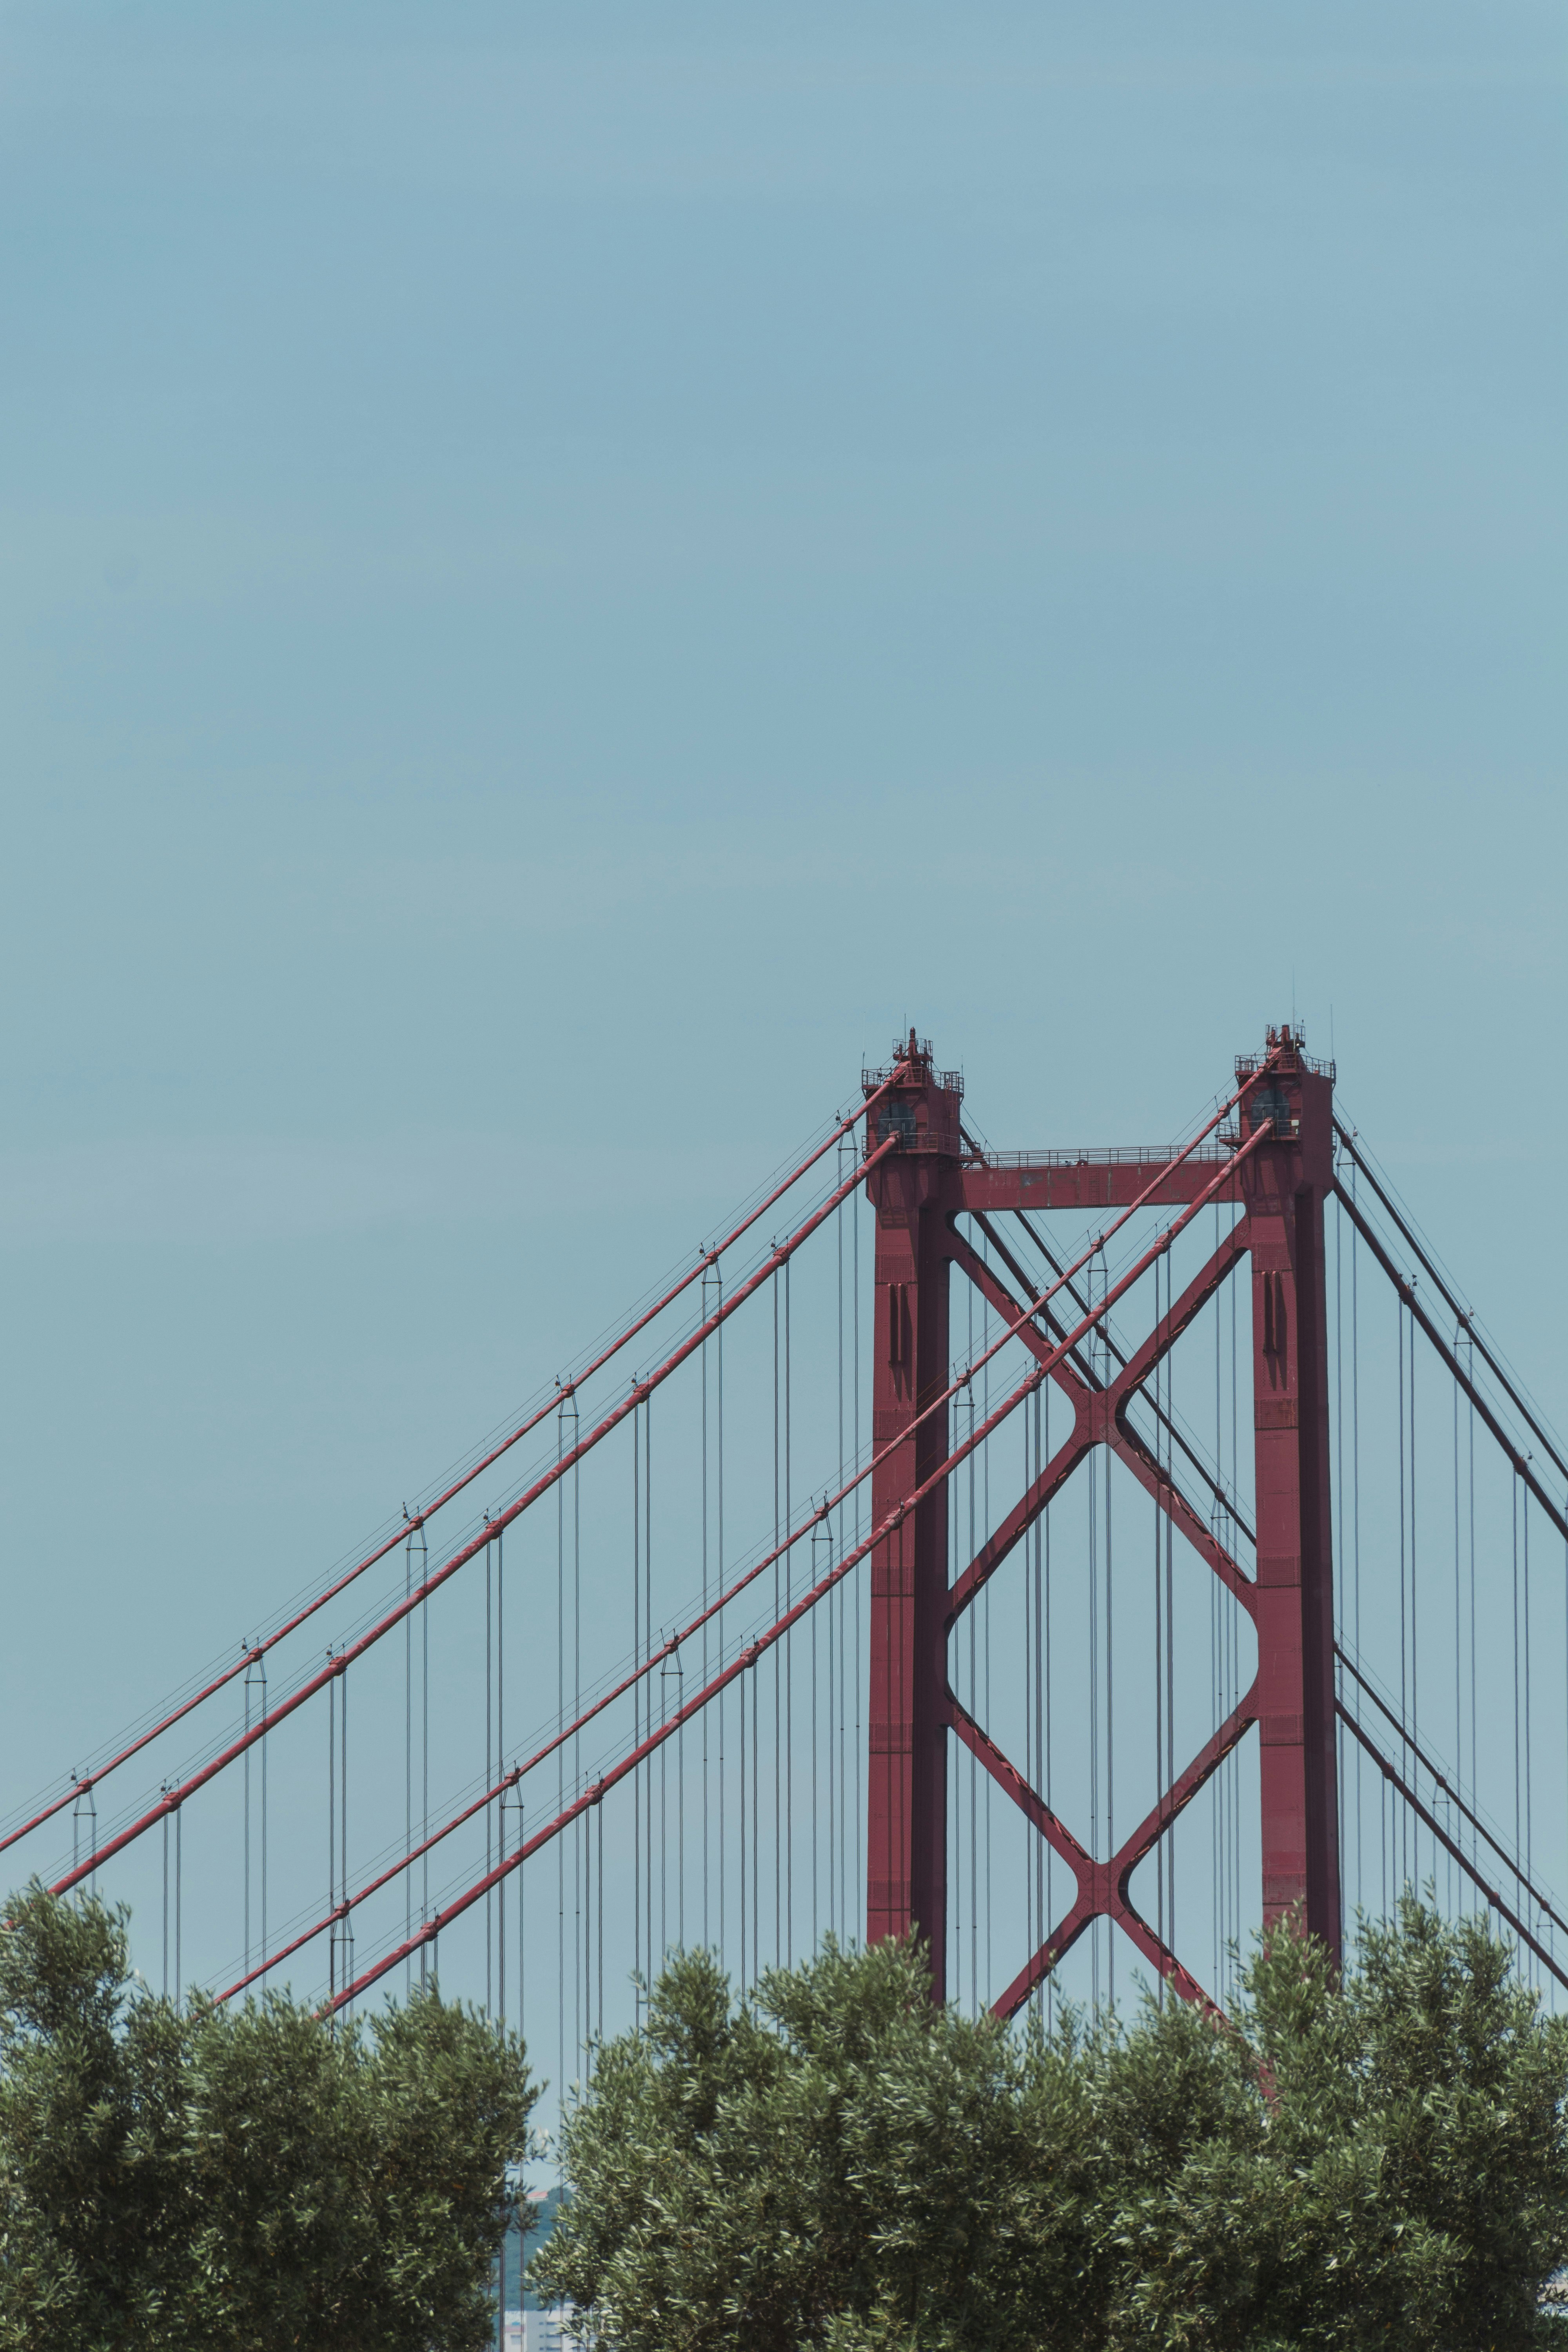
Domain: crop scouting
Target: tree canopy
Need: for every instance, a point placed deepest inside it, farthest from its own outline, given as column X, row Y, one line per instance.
column 243, row 2179
column 1376, row 2160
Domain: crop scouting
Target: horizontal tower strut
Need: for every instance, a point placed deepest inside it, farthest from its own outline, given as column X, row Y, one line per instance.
column 1059, row 1180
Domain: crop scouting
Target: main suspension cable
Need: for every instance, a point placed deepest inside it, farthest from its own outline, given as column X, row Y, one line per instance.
column 476, row 1544
column 466, row 1479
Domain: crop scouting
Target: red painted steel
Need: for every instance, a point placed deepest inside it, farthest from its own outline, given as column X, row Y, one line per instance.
column 906, row 1834
column 917, row 1194
column 1278, row 1169
column 1103, row 1886
column 1057, row 1181
column 1283, row 1193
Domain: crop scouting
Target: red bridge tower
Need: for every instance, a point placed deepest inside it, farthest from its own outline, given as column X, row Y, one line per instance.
column 1277, row 1168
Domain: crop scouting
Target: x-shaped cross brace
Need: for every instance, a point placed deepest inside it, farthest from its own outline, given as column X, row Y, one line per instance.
column 1100, row 1418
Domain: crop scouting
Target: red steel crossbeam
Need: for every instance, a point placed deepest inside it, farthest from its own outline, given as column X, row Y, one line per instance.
column 623, row 1338
column 1101, row 1886
column 1089, row 1377
column 1101, row 1420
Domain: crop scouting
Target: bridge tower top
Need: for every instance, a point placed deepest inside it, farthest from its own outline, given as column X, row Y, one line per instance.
column 921, row 1108
column 1296, row 1098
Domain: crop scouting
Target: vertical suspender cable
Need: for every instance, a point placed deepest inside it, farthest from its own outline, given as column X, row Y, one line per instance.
column 407, row 1754
column 719, row 1571
column 1109, row 1659
column 500, row 1755
column 837, row 1707
column 787, row 1646
column 1031, row 1759
column 246, row 1859
column 424, row 1571
column 179, row 1906
column 1517, row 1780
column 1415, row 1603
column 1097, row 1842
column 579, row 1828
column 644, row 1800
column 1170, row 1534
column 1339, row 1488
column 489, row 1779
column 707, row 1930
column 1158, row 1679
column 1044, row 1400
column 987, row 1790
column 1458, row 1643
column 719, row 1536
column 348, row 1931
column 1529, row 1741
column 1470, row 1489
column 1404, row 1604
column 332, row 1833
column 975, row 1707
column 778, row 1659
column 1217, row 1599
column 860, row 1860
column 821, row 1562
column 563, row 1434
column 1356, row 1507
column 647, row 1652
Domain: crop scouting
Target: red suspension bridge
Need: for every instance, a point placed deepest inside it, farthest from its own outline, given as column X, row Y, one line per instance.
column 791, row 1610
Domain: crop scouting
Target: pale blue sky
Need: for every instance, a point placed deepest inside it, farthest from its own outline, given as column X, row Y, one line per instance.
column 564, row 571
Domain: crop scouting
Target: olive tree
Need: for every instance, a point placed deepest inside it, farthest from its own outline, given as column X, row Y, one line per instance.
column 1376, row 2160
column 245, row 2178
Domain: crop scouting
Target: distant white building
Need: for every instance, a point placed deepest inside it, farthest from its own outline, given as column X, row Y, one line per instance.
column 538, row 2331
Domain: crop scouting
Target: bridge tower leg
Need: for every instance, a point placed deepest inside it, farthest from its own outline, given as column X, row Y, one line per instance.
column 912, row 1195
column 1286, row 1182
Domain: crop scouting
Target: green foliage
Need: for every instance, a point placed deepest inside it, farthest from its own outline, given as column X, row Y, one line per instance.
column 245, row 2179
column 1380, row 2161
